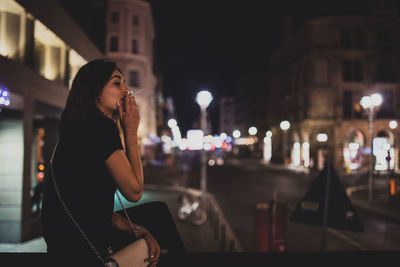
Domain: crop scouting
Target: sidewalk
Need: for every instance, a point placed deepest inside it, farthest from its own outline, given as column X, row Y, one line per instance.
column 356, row 186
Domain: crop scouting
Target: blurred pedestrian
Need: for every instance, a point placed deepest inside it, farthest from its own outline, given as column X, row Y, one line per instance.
column 36, row 200
column 97, row 153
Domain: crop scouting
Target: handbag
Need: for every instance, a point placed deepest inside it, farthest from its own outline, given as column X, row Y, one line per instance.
column 132, row 255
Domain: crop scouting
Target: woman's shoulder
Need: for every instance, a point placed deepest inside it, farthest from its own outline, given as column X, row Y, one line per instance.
column 94, row 125
column 97, row 121
column 97, row 117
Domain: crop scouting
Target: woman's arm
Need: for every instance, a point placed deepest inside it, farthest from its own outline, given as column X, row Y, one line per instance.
column 127, row 173
column 133, row 153
column 126, row 168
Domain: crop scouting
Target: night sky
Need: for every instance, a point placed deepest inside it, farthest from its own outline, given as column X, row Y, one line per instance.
column 207, row 44
column 210, row 45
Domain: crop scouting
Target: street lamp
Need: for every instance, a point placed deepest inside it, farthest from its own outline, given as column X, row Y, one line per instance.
column 369, row 103
column 236, row 133
column 285, row 125
column 252, row 130
column 393, row 124
column 204, row 99
column 172, row 123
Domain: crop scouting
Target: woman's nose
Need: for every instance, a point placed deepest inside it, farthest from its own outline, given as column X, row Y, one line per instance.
column 125, row 87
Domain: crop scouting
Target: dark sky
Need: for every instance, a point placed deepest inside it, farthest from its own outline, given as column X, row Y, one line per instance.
column 210, row 45
column 207, row 44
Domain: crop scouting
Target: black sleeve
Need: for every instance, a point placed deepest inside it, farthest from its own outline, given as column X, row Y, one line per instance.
column 109, row 139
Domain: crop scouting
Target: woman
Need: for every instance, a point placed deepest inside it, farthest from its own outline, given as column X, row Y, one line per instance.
column 97, row 153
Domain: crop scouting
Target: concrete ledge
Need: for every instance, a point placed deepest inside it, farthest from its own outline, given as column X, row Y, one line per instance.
column 364, row 205
column 377, row 210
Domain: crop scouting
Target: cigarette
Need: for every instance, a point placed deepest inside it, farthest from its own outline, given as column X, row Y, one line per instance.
column 135, row 93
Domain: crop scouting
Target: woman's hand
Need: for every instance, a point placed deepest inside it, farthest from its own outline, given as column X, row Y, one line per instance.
column 120, row 222
column 153, row 247
column 129, row 114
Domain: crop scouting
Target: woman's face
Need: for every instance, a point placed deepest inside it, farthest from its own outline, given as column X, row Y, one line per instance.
column 112, row 93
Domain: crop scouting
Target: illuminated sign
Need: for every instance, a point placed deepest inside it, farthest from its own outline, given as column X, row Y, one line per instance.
column 195, row 139
column 4, row 97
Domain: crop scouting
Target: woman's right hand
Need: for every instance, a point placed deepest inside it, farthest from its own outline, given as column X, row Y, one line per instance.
column 129, row 114
column 152, row 246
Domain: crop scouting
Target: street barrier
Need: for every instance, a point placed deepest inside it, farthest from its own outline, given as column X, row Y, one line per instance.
column 270, row 224
column 279, row 226
column 262, row 226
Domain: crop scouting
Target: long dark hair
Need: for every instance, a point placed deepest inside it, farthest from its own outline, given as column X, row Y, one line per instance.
column 86, row 87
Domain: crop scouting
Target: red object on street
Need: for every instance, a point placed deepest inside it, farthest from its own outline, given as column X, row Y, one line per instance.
column 278, row 226
column 270, row 226
column 262, row 226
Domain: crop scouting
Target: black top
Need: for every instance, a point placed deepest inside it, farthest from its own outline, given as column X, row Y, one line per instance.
column 85, row 185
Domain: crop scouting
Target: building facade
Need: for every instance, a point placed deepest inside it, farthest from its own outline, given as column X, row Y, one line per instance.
column 317, row 77
column 227, row 115
column 129, row 41
column 40, row 53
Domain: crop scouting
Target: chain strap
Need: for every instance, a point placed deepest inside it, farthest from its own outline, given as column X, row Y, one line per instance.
column 134, row 229
column 99, row 257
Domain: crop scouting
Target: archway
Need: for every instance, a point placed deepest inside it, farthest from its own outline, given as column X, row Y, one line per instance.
column 384, row 151
column 352, row 153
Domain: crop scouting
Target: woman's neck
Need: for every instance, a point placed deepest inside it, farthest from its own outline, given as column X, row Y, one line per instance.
column 107, row 113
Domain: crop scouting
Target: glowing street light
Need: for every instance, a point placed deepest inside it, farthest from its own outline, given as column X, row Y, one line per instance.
column 322, row 137
column 393, row 124
column 223, row 136
column 252, row 130
column 203, row 98
column 369, row 103
column 236, row 133
column 172, row 123
column 285, row 126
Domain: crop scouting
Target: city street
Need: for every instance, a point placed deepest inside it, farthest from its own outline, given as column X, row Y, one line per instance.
column 239, row 185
